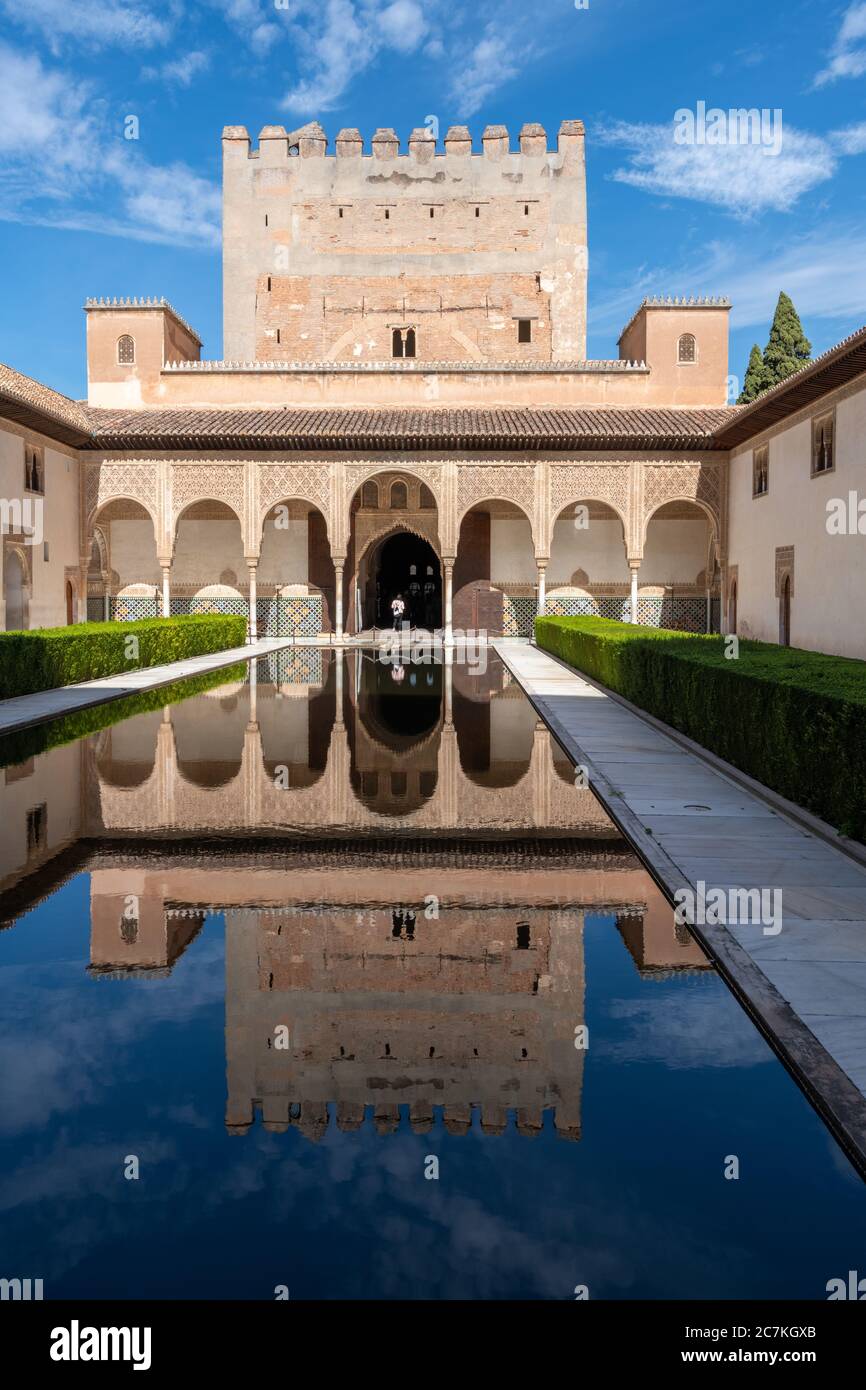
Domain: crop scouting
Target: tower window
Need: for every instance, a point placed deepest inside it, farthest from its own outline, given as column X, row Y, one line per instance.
column 387, row 214
column 341, row 212
column 126, row 350
column 523, row 936
column 269, row 284
column 525, row 209
column 403, row 342
column 687, row 348
column 524, row 330
column 477, row 212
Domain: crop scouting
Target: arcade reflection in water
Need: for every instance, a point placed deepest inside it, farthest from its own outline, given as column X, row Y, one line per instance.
column 404, row 868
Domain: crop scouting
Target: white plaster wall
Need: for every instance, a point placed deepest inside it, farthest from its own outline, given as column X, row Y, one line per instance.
column 285, row 553
column 512, row 558
column 829, row 571
column 59, row 522
column 54, row 781
column 599, row 550
column 204, row 549
column 133, row 552
column 675, row 552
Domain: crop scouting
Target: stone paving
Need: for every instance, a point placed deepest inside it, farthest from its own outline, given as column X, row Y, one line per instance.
column 805, row 984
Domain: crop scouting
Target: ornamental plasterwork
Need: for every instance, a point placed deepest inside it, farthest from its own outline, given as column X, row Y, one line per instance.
column 138, row 482
column 282, row 482
column 510, row 482
column 675, row 482
column 355, row 474
column 207, row 482
column 584, row 482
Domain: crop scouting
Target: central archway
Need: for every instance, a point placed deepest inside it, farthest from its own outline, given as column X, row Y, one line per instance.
column 406, row 564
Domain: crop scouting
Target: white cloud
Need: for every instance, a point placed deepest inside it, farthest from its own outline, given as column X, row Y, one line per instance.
column 824, row 272
column 98, row 23
column 254, row 21
column 179, row 72
column 341, row 39
column 743, row 178
column 847, row 57
column 851, row 140
column 62, row 165
column 489, row 65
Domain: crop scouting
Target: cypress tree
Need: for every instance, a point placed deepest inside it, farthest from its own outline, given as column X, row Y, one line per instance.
column 788, row 348
column 754, row 383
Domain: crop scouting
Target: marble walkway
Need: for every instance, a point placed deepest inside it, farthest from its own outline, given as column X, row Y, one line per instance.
column 23, row 710
column 805, row 984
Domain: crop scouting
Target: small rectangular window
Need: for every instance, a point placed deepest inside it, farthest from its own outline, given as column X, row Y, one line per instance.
column 387, row 214
column 525, row 209
column 37, row 820
column 524, row 330
column 477, row 212
column 269, row 284
column 761, row 471
column 266, row 219
column 341, row 212
column 278, row 335
column 45, row 552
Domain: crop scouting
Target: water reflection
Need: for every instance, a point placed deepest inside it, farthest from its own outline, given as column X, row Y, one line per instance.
column 441, row 970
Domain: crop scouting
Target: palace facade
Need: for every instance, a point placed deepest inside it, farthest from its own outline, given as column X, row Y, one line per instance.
column 405, row 405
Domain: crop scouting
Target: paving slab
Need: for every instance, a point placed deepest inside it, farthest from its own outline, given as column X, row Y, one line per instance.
column 691, row 819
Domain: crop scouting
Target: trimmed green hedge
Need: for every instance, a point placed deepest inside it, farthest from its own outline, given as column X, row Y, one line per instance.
column 48, row 657
column 39, row 738
column 794, row 720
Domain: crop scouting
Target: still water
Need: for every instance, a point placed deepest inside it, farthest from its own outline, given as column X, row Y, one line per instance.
column 377, row 1003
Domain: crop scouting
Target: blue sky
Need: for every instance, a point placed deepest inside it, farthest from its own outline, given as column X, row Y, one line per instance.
column 84, row 211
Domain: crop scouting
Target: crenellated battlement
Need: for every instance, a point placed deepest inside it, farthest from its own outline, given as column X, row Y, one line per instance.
column 310, row 141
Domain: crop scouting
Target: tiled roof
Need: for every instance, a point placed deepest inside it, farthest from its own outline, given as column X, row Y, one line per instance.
column 327, row 428
column 30, row 403
column 834, row 368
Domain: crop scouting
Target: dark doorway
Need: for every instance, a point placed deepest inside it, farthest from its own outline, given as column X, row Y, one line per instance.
column 70, row 604
column 401, row 564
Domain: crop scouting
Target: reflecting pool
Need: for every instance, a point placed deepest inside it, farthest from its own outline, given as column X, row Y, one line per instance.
column 333, row 976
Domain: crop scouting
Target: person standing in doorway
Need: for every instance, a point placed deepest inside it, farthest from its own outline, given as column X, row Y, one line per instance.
column 398, row 608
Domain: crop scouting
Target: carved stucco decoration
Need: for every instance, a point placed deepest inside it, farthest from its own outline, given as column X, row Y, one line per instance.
column 283, row 482
column 509, row 482
column 207, row 482
column 591, row 482
column 137, row 482
column 674, row 482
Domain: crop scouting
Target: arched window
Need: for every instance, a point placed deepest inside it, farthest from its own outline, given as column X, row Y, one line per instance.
column 370, row 496
column 34, row 469
column 402, row 342
column 427, row 500
column 125, row 350
column 399, row 496
column 687, row 348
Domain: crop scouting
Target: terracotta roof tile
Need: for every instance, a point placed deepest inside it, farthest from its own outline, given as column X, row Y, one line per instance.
column 30, row 403
column 298, row 429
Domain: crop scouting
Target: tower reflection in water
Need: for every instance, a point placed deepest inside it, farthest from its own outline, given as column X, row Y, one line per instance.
column 404, row 870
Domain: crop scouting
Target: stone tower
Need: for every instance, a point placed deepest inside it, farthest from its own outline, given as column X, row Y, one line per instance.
column 454, row 256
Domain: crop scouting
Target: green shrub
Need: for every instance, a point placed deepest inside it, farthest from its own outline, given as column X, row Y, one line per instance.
column 794, row 720
column 48, row 657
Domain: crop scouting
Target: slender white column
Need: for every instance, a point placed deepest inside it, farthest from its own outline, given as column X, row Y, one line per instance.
column 254, row 631
column 106, row 606
column 166, row 591
column 449, row 595
column 338, row 601
column 634, row 570
column 542, row 588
